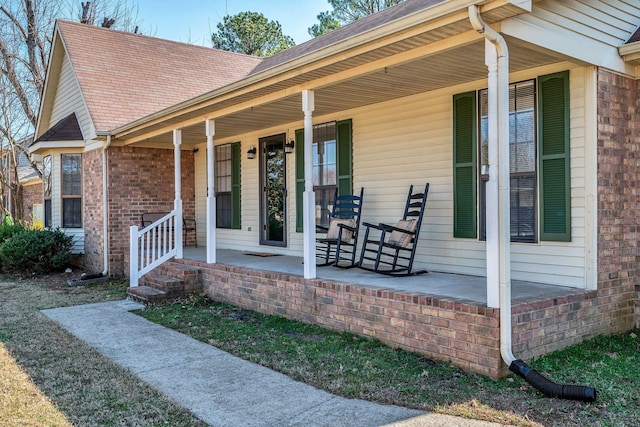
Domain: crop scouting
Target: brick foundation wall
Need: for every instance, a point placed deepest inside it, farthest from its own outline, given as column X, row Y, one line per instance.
column 458, row 331
column 618, row 198
column 93, row 212
column 465, row 334
column 31, row 195
column 142, row 180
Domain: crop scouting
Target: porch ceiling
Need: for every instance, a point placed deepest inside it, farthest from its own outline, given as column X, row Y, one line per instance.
column 424, row 60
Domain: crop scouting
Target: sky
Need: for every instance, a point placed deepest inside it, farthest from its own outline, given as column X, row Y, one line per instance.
column 193, row 21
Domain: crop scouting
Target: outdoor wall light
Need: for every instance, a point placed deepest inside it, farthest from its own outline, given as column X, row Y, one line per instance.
column 288, row 147
column 251, row 154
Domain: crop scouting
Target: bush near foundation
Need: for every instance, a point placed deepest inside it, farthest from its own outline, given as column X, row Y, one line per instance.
column 36, row 252
column 8, row 230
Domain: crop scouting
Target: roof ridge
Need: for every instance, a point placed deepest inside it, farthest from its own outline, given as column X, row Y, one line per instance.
column 66, row 22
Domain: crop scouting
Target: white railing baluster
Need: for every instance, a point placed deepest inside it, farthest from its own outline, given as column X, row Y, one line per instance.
column 151, row 246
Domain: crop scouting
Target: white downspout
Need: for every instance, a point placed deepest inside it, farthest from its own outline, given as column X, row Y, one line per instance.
column 105, row 206
column 504, row 232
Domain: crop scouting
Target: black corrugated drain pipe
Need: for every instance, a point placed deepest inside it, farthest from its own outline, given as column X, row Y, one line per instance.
column 549, row 388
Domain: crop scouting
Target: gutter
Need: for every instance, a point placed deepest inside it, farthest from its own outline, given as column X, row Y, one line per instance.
column 517, row 366
column 105, row 207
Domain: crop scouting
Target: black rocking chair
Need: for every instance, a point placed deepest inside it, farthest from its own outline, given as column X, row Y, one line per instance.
column 393, row 251
column 341, row 236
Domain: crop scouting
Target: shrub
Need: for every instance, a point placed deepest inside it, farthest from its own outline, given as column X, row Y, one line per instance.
column 36, row 251
column 9, row 230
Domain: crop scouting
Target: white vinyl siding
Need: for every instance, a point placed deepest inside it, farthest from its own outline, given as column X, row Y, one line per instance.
column 247, row 237
column 590, row 30
column 69, row 100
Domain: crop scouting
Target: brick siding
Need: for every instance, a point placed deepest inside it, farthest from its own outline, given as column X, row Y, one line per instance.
column 31, row 195
column 618, row 198
column 93, row 212
column 142, row 180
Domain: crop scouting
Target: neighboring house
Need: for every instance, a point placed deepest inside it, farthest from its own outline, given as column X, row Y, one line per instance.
column 31, row 183
column 400, row 97
column 29, row 186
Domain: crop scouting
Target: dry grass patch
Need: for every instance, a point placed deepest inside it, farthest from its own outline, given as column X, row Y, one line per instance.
column 22, row 401
column 86, row 387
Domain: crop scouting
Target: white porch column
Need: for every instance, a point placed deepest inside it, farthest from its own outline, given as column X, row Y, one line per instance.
column 177, row 204
column 211, row 194
column 492, row 216
column 309, row 198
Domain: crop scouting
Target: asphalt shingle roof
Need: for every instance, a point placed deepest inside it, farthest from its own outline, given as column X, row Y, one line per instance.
column 635, row 37
column 125, row 76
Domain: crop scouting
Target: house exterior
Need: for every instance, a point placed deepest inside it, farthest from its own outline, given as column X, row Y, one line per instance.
column 131, row 124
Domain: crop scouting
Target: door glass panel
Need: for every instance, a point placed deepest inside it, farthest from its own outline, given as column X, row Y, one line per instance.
column 273, row 198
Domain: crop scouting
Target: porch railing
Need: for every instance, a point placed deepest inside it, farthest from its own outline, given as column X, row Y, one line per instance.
column 151, row 246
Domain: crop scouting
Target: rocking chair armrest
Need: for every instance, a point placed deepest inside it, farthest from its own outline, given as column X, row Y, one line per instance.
column 376, row 226
column 321, row 229
column 348, row 227
column 388, row 227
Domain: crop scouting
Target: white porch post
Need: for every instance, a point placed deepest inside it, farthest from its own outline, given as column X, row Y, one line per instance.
column 211, row 194
column 492, row 216
column 309, row 217
column 177, row 204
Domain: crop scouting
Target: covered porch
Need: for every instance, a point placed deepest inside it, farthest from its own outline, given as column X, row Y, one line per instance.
column 443, row 286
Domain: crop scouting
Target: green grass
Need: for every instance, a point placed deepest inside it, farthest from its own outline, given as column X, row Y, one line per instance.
column 358, row 367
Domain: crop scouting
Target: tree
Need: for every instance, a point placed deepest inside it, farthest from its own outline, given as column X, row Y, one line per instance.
column 118, row 14
column 347, row 11
column 251, row 33
column 26, row 27
column 327, row 21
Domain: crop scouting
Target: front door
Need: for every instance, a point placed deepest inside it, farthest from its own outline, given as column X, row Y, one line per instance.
column 272, row 199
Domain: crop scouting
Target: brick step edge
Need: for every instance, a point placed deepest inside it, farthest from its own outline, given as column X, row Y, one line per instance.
column 147, row 295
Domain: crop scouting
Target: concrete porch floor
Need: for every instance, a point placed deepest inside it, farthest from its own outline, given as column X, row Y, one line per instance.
column 469, row 289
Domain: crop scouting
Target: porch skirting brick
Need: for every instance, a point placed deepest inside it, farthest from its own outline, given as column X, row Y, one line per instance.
column 462, row 332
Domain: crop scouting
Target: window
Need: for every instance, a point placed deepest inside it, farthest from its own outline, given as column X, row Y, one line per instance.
column 522, row 158
column 71, row 190
column 324, row 170
column 539, row 160
column 227, row 185
column 46, row 184
column 331, row 163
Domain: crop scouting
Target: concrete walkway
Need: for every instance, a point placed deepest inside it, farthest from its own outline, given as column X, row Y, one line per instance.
column 219, row 388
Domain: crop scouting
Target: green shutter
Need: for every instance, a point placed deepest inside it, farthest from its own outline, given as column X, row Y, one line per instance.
column 464, row 165
column 344, row 157
column 235, row 186
column 553, row 125
column 299, row 152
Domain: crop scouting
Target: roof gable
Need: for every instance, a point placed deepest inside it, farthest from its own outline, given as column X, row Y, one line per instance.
column 125, row 76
